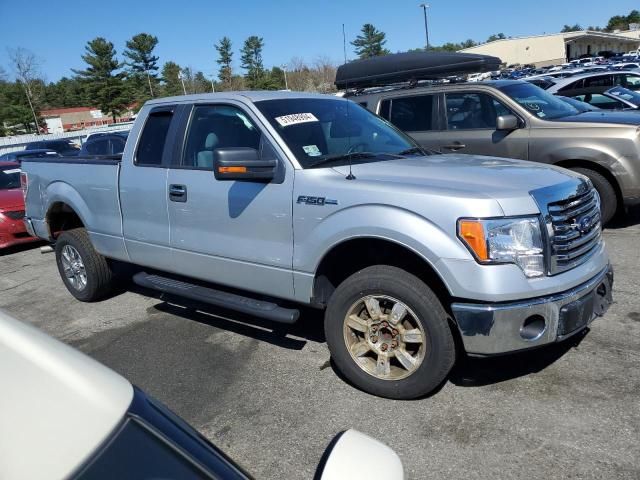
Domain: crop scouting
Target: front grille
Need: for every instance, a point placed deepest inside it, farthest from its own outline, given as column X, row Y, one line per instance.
column 575, row 230
column 15, row 215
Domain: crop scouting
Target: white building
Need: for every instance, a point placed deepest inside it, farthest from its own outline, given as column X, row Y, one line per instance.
column 557, row 48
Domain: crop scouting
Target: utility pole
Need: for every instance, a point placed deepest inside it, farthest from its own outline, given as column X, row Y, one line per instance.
column 286, row 83
column 181, row 77
column 424, row 7
column 213, row 89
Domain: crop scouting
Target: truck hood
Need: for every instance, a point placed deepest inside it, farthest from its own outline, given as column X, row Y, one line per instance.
column 11, row 198
column 624, row 118
column 505, row 180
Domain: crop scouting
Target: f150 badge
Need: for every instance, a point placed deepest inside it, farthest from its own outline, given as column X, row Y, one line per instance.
column 319, row 201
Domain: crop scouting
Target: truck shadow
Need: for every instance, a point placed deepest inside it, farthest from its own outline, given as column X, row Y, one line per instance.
column 624, row 220
column 478, row 372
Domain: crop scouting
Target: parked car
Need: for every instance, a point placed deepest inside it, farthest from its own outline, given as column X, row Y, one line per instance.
column 12, row 228
column 616, row 98
column 65, row 147
column 570, row 86
column 20, row 154
column 95, row 425
column 579, row 105
column 273, row 199
column 100, row 144
column 515, row 119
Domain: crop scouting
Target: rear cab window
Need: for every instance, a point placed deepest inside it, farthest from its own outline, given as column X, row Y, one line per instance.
column 410, row 114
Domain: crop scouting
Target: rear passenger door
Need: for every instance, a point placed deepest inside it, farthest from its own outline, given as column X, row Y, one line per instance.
column 416, row 115
column 235, row 233
column 143, row 190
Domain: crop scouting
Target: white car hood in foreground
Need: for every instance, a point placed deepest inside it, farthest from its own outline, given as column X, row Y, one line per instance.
column 56, row 404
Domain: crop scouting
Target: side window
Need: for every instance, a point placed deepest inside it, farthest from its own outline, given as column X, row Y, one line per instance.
column 467, row 111
column 217, row 126
column 385, row 109
column 153, row 138
column 117, row 146
column 98, row 147
column 572, row 86
column 600, row 101
column 600, row 81
column 500, row 109
column 632, row 82
column 412, row 114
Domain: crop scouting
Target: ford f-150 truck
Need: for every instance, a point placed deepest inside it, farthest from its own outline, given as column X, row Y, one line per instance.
column 259, row 201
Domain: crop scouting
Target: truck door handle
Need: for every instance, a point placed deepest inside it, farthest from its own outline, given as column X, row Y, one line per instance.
column 178, row 193
column 454, row 146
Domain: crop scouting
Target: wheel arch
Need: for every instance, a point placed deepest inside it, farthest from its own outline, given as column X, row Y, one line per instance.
column 596, row 167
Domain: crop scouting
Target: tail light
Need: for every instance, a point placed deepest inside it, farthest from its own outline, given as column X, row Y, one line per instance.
column 24, row 184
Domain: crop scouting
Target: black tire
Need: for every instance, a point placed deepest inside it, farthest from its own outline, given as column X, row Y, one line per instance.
column 99, row 276
column 608, row 197
column 439, row 355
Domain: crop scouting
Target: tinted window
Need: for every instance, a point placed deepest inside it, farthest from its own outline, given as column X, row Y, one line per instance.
column 466, row 111
column 9, row 178
column 632, row 82
column 117, row 145
column 572, row 86
column 599, row 81
column 214, row 127
column 601, row 101
column 153, row 138
column 98, row 147
column 412, row 114
column 385, row 109
column 136, row 453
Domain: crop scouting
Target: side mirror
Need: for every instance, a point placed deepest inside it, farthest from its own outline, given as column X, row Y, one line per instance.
column 242, row 164
column 507, row 122
column 356, row 456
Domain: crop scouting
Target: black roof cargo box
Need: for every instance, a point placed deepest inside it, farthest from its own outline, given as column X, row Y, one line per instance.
column 404, row 67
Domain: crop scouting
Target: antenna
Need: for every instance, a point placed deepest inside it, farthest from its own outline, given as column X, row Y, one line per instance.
column 351, row 176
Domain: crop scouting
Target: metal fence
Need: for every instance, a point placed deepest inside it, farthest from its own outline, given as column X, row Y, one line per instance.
column 12, row 144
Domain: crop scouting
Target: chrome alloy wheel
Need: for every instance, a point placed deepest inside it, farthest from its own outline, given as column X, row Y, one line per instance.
column 384, row 337
column 73, row 267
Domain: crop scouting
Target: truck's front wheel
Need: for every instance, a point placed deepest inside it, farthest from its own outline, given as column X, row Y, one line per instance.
column 388, row 333
column 85, row 272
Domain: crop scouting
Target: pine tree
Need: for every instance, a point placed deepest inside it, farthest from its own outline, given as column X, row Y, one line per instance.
column 370, row 43
column 224, row 51
column 252, row 60
column 142, row 62
column 105, row 83
column 172, row 84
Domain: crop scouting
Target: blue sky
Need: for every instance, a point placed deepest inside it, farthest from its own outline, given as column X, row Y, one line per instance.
column 57, row 31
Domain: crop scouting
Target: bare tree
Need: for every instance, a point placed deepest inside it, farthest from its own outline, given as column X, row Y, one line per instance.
column 26, row 67
column 3, row 75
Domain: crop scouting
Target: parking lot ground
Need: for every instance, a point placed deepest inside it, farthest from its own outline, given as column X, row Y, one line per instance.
column 270, row 398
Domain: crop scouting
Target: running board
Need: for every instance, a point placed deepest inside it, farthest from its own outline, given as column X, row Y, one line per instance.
column 250, row 306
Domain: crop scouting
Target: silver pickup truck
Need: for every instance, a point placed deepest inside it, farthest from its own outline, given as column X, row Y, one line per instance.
column 259, row 201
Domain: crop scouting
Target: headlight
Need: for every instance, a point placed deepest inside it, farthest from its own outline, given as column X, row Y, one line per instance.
column 507, row 240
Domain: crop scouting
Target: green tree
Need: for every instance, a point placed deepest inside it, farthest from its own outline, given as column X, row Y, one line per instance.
column 225, row 57
column 571, row 28
column 252, row 61
column 370, row 43
column 496, row 36
column 142, row 62
column 66, row 92
column 16, row 115
column 103, row 78
column 171, row 84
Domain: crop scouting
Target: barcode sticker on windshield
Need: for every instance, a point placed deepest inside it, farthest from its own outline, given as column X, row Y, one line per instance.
column 295, row 119
column 9, row 172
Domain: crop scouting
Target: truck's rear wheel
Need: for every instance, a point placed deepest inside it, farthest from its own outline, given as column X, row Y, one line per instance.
column 388, row 333
column 608, row 197
column 84, row 272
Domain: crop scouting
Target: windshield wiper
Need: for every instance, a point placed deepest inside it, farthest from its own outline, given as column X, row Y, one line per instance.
column 346, row 156
column 418, row 150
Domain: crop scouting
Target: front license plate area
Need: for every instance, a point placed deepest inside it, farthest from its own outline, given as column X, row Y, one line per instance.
column 576, row 315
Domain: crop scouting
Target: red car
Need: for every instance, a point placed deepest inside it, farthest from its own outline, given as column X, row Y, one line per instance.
column 12, row 229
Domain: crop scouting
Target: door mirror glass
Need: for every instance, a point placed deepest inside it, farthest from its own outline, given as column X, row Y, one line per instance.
column 242, row 163
column 507, row 122
column 347, row 454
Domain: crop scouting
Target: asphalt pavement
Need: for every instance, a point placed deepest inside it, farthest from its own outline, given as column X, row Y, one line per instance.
column 269, row 395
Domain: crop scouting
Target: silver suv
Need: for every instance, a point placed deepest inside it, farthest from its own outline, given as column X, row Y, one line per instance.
column 514, row 119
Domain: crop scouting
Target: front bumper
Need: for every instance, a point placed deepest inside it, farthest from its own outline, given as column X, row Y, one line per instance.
column 489, row 329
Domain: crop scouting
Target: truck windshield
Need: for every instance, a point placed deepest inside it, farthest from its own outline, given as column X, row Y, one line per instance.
column 9, row 178
column 325, row 130
column 539, row 102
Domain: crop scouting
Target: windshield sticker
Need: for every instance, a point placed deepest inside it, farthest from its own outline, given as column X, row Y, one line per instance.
column 9, row 172
column 312, row 150
column 541, row 114
column 295, row 119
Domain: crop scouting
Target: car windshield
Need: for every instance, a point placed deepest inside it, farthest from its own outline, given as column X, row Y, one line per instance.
column 539, row 102
column 323, row 130
column 9, row 177
column 625, row 94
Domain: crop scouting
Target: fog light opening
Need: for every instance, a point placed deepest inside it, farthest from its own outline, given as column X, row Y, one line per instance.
column 533, row 327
